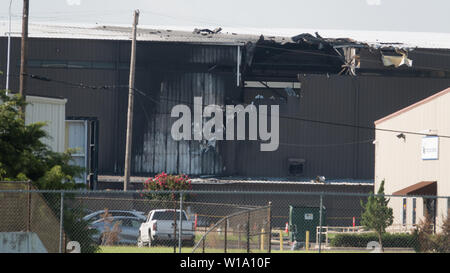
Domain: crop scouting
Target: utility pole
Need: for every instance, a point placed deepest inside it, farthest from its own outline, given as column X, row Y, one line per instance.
column 129, row 139
column 8, row 58
column 23, row 51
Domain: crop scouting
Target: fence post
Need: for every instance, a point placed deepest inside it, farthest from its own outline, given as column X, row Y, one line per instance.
column 29, row 206
column 320, row 223
column 61, row 223
column 180, row 226
column 225, row 239
column 248, row 232
column 270, row 226
column 261, row 243
column 307, row 240
column 203, row 242
column 239, row 235
column 174, row 224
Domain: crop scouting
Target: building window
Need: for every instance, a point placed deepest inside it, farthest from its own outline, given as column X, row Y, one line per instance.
column 296, row 166
column 76, row 139
column 414, row 207
column 404, row 212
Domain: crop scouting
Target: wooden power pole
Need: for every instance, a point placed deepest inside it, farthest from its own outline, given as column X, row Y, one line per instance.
column 23, row 50
column 129, row 139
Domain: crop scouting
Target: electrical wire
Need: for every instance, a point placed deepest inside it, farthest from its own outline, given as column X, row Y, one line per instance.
column 303, row 52
column 326, row 145
column 78, row 85
column 322, row 122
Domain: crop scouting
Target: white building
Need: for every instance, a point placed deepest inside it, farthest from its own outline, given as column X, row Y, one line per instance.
column 416, row 164
column 52, row 111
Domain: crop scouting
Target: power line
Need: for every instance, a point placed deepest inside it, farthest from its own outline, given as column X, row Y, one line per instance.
column 358, row 126
column 342, row 58
column 72, row 84
column 326, row 145
column 329, row 123
column 147, row 118
column 313, row 120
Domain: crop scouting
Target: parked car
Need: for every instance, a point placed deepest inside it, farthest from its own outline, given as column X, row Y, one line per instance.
column 114, row 213
column 126, row 229
column 159, row 228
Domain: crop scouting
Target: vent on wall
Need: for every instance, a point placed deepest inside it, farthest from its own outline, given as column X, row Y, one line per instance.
column 296, row 166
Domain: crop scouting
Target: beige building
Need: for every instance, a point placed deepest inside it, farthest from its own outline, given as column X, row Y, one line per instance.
column 416, row 164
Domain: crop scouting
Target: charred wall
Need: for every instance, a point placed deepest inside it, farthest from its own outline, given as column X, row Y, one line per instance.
column 172, row 73
column 331, row 150
column 167, row 74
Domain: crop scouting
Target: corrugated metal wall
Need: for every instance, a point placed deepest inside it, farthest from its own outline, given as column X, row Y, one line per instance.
column 156, row 151
column 168, row 73
column 334, row 151
column 165, row 86
column 102, row 104
column 171, row 72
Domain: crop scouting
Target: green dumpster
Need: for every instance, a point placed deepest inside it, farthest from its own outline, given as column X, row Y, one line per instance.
column 302, row 219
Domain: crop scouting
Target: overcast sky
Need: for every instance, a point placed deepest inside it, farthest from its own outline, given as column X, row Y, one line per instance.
column 396, row 15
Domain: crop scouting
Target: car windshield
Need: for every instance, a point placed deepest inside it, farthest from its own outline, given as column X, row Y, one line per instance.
column 101, row 215
column 168, row 215
column 132, row 223
column 124, row 222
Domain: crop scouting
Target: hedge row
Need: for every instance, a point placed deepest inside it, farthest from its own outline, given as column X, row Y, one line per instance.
column 361, row 240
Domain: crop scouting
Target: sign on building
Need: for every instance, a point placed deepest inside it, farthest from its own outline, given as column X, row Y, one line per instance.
column 430, row 148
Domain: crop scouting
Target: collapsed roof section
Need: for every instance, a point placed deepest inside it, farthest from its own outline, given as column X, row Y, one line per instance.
column 282, row 54
column 308, row 54
column 304, row 53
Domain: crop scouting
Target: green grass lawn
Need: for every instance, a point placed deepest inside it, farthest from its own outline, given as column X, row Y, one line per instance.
column 133, row 249
column 163, row 249
column 158, row 249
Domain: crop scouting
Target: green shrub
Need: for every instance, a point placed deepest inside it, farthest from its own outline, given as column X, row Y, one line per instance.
column 428, row 241
column 361, row 240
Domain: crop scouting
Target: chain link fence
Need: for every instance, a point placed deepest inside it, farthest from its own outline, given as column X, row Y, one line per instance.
column 25, row 211
column 244, row 231
column 214, row 221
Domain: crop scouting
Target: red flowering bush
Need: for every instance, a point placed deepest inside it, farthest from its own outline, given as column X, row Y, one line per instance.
column 166, row 182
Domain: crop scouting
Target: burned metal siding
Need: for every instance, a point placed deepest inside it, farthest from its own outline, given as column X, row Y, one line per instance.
column 310, row 141
column 331, row 150
column 165, row 86
column 431, row 63
column 158, row 151
column 173, row 73
column 170, row 73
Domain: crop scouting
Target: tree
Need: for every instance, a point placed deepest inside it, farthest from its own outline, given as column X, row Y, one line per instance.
column 24, row 157
column 377, row 216
column 443, row 239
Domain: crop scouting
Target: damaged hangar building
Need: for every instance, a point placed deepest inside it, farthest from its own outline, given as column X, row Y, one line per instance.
column 329, row 90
